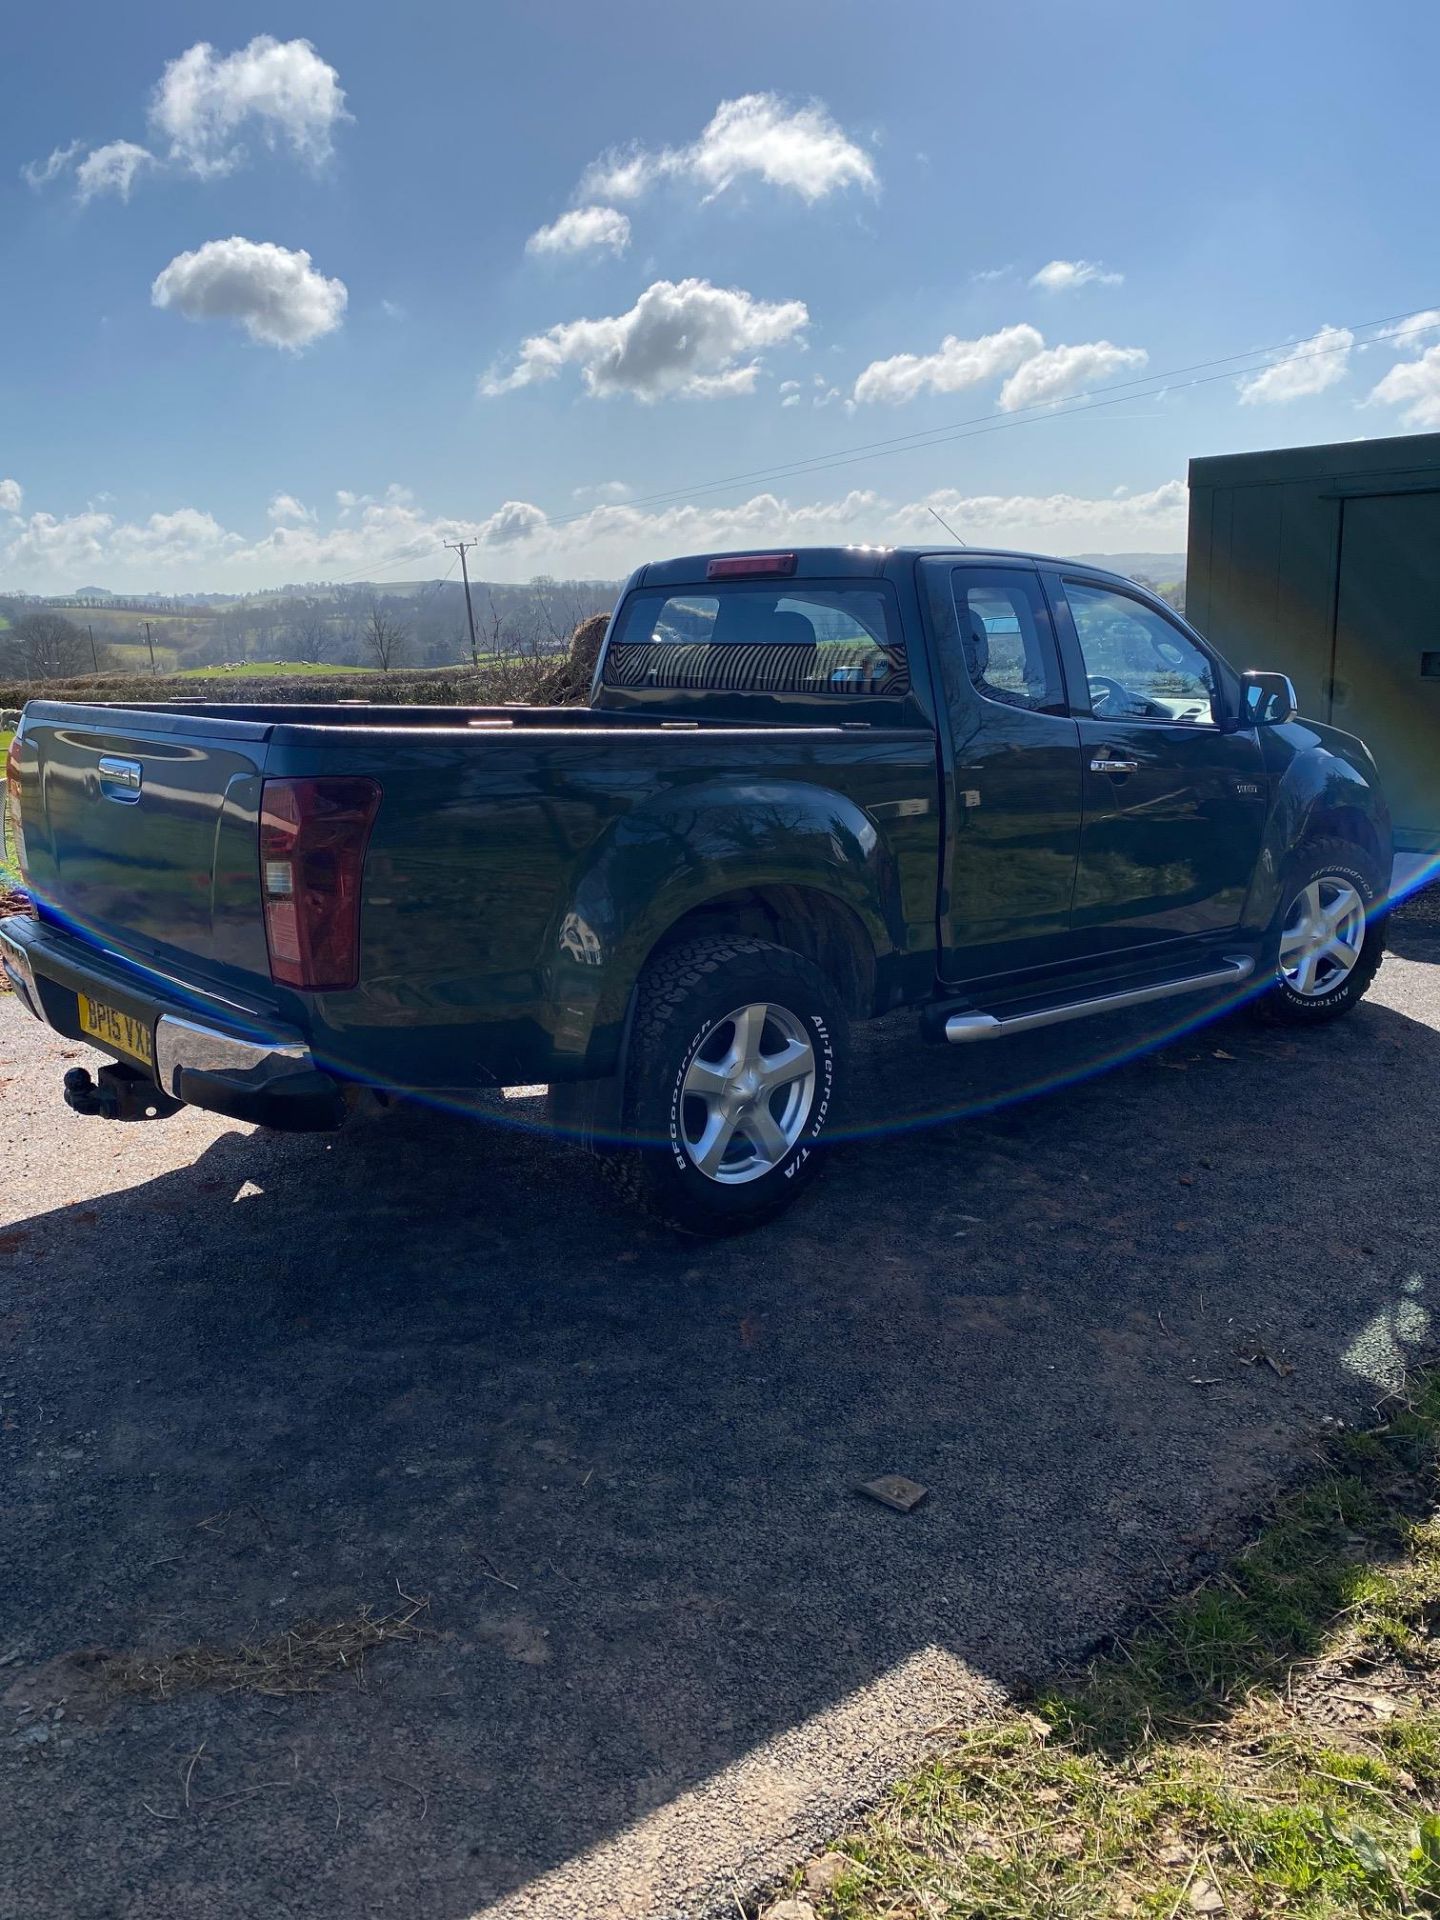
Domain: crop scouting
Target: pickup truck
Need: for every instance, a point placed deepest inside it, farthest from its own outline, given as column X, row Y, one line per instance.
column 810, row 787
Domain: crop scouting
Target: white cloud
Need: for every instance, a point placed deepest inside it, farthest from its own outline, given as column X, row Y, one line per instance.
column 758, row 135
column 1410, row 334
column 111, row 169
column 55, row 548
column 282, row 88
column 1413, row 385
column 680, row 338
column 395, row 537
column 11, row 495
column 1309, row 368
column 1059, row 372
column 286, row 511
column 603, row 490
column 276, row 295
column 955, row 365
column 789, row 393
column 581, row 230
column 516, row 520
column 1059, row 276
column 39, row 173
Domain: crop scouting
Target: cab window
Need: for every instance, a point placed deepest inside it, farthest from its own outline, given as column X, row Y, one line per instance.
column 996, row 621
column 804, row 637
column 1139, row 665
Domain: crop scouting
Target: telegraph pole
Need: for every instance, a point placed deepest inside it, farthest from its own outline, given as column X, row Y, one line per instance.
column 94, row 655
column 151, row 644
column 462, row 547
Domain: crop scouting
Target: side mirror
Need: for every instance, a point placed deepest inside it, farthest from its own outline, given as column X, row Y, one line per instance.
column 1267, row 699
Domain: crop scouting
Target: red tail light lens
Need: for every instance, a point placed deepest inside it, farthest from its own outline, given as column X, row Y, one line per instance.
column 14, row 833
column 313, row 837
column 739, row 566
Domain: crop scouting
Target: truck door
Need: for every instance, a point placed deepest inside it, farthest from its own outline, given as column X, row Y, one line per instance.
column 1174, row 802
column 1385, row 683
column 1014, row 781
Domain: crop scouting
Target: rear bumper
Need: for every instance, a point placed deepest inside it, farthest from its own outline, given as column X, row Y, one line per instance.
column 206, row 1054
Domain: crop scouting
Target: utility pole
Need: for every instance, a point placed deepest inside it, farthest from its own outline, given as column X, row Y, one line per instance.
column 151, row 644
column 462, row 547
column 94, row 656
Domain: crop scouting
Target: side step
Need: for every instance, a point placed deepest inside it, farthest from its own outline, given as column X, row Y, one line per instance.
column 988, row 1026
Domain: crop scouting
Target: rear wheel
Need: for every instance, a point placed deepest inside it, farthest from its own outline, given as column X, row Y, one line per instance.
column 1327, row 939
column 736, row 1054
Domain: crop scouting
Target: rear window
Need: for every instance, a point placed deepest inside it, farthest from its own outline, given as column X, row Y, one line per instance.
column 799, row 638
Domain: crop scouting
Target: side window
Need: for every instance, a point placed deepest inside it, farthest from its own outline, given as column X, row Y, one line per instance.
column 1139, row 665
column 1001, row 629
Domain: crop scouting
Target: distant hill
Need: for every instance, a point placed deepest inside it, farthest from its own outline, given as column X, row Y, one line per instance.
column 92, row 593
column 1162, row 568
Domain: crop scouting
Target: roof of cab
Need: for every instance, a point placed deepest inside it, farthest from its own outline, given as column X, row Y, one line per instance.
column 839, row 563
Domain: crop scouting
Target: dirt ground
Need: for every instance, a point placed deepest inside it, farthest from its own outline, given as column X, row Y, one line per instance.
column 1096, row 1299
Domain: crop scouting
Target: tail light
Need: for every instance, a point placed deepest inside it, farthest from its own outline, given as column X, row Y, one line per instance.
column 14, row 834
column 742, row 566
column 313, row 837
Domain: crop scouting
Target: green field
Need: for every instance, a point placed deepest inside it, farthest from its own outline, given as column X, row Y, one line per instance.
column 132, row 658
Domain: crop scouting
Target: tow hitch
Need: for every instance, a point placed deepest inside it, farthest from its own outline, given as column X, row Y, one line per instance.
column 118, row 1093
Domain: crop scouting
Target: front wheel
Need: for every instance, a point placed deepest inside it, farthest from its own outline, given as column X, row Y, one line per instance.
column 736, row 1058
column 1327, row 939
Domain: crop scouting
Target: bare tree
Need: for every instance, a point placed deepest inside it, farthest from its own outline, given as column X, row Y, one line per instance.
column 310, row 635
column 492, row 625
column 384, row 637
column 46, row 646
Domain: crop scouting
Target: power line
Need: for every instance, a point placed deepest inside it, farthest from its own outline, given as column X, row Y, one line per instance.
column 1089, row 400
column 1000, row 421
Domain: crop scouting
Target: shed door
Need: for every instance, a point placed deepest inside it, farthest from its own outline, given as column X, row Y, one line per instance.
column 1386, row 677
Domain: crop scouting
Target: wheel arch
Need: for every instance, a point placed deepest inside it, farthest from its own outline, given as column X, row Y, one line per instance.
column 807, row 920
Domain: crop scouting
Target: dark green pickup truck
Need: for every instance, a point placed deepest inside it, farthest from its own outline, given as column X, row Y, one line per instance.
column 810, row 787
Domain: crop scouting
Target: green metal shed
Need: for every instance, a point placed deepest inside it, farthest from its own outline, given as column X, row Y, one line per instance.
column 1324, row 563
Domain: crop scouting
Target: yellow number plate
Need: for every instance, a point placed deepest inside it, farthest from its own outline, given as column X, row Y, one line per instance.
column 116, row 1030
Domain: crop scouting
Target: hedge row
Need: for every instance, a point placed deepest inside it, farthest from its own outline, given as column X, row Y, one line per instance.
column 434, row 686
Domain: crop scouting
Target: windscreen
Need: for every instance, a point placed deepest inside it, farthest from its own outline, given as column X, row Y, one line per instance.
column 801, row 637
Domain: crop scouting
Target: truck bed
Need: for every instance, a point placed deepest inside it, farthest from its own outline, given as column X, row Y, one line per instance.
column 522, row 861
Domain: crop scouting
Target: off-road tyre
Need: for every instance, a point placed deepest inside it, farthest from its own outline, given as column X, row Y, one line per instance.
column 684, row 997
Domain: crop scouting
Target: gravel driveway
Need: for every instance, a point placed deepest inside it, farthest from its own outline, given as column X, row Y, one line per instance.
column 249, row 1381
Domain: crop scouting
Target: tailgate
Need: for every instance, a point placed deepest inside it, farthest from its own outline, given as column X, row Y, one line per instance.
column 141, row 830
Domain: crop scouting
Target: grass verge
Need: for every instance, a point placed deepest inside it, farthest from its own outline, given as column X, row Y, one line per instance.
column 1267, row 1745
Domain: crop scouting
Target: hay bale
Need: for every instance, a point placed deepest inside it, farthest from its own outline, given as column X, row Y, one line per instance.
column 569, row 683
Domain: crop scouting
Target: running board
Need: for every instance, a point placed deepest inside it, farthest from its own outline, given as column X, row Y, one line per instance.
column 988, row 1026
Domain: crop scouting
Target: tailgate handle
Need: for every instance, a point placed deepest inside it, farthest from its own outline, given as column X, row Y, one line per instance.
column 120, row 779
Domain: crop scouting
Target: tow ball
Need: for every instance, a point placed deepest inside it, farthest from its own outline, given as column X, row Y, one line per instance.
column 117, row 1093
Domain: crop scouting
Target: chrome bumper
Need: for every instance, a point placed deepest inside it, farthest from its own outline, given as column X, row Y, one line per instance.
column 184, row 1043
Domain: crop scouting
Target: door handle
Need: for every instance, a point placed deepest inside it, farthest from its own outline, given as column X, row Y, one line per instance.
column 1114, row 766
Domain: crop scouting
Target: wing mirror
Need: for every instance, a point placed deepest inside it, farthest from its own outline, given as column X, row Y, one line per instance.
column 1267, row 699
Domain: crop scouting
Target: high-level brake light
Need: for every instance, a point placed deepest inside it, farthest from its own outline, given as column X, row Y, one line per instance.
column 313, row 838
column 738, row 566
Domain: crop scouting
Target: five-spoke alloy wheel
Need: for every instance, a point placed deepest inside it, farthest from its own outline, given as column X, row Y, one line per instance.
column 747, row 1093
column 736, row 1059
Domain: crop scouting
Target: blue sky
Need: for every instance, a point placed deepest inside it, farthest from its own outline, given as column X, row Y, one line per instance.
column 565, row 259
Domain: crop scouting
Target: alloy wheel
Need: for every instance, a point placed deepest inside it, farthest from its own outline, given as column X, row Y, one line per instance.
column 1322, row 938
column 747, row 1093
